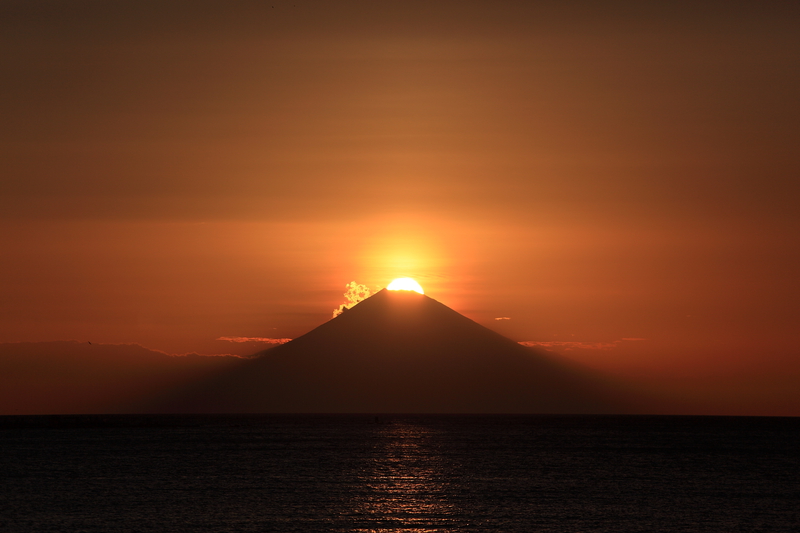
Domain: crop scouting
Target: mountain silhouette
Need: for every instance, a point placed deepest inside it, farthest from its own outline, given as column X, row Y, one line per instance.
column 401, row 352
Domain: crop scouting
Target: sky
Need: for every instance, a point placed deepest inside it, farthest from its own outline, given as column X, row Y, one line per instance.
column 617, row 182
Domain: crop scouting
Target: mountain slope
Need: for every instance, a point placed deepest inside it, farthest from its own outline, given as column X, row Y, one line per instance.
column 400, row 351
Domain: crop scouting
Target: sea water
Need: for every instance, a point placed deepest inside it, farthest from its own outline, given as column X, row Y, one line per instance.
column 399, row 473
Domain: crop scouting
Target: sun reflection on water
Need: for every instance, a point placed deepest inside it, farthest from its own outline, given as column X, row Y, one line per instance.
column 406, row 484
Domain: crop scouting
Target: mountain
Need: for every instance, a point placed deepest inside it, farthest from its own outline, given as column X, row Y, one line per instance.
column 69, row 377
column 400, row 351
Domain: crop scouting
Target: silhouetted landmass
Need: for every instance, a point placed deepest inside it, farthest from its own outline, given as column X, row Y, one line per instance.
column 400, row 351
column 396, row 352
column 76, row 378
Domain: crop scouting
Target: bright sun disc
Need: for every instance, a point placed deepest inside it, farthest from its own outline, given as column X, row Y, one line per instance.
column 405, row 284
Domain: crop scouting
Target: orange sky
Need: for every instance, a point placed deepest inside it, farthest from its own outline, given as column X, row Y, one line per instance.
column 172, row 174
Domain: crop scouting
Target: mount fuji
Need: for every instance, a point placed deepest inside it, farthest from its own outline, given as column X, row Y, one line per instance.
column 402, row 352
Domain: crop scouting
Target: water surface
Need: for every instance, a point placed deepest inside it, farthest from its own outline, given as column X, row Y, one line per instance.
column 399, row 473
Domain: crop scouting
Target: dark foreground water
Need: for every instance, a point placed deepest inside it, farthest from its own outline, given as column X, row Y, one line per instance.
column 401, row 473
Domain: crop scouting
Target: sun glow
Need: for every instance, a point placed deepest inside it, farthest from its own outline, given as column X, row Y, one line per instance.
column 405, row 284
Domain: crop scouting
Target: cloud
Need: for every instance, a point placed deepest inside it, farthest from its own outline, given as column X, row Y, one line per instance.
column 571, row 345
column 268, row 340
column 355, row 293
column 502, row 318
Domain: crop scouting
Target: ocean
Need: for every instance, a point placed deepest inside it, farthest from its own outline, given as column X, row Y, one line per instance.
column 416, row 473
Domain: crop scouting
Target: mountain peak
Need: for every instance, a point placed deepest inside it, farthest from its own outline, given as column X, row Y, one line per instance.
column 396, row 318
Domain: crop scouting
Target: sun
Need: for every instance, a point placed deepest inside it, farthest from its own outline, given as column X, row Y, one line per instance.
column 405, row 284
